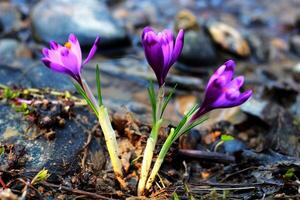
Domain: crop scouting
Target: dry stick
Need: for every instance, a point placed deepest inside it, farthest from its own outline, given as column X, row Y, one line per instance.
column 217, row 157
column 76, row 191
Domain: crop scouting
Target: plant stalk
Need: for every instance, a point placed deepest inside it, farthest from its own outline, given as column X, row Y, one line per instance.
column 162, row 154
column 148, row 155
column 111, row 142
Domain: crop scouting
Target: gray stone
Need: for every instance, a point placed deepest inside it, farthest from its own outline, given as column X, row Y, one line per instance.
column 295, row 44
column 10, row 17
column 56, row 19
column 296, row 72
column 259, row 46
column 11, row 49
column 59, row 155
column 198, row 49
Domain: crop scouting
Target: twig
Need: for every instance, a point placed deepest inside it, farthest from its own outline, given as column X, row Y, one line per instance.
column 76, row 191
column 217, row 157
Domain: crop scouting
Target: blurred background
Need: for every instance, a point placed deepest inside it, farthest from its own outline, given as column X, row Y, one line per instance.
column 263, row 37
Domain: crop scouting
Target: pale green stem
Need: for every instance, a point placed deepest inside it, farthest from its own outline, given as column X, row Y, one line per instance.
column 151, row 142
column 173, row 136
column 162, row 154
column 90, row 94
column 160, row 98
column 147, row 157
column 111, row 142
column 108, row 132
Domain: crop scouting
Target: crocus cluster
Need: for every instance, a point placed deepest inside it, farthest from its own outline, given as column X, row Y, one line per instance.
column 161, row 51
column 67, row 59
column 222, row 91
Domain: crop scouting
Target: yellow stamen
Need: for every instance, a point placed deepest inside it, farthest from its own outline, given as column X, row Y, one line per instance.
column 68, row 45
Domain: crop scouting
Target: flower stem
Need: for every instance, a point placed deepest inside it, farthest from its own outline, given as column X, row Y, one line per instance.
column 147, row 157
column 89, row 93
column 111, row 142
column 162, row 154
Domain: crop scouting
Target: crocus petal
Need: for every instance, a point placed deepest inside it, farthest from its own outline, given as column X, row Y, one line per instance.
column 154, row 54
column 56, row 67
column 222, row 91
column 178, row 46
column 69, row 59
column 93, row 50
column 45, row 52
column 75, row 47
column 53, row 45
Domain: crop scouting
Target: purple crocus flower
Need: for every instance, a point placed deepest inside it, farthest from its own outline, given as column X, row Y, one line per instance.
column 222, row 91
column 161, row 51
column 67, row 59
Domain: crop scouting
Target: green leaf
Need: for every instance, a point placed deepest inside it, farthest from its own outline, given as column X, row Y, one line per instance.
column 290, row 173
column 99, row 86
column 176, row 197
column 2, row 150
column 167, row 100
column 43, row 175
column 195, row 123
column 227, row 137
column 23, row 108
column 83, row 94
column 152, row 97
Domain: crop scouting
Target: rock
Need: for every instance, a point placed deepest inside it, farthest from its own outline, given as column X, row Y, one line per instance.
column 41, row 77
column 296, row 72
column 229, row 38
column 198, row 49
column 12, row 76
column 87, row 19
column 10, row 17
column 11, row 49
column 259, row 46
column 263, row 110
column 295, row 44
column 60, row 155
column 284, row 136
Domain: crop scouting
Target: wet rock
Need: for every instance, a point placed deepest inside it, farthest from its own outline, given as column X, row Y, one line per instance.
column 282, row 92
column 259, row 46
column 60, row 155
column 262, row 109
column 295, row 44
column 285, row 135
column 87, row 19
column 41, row 77
column 296, row 72
column 229, row 38
column 230, row 147
column 12, row 76
column 11, row 49
column 10, row 18
column 198, row 49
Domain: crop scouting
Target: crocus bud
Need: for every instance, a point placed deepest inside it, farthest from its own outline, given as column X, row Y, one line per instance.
column 222, row 91
column 161, row 51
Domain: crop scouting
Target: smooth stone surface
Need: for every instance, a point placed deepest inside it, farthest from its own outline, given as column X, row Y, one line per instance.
column 296, row 72
column 11, row 49
column 86, row 19
column 10, row 17
column 198, row 49
column 229, row 38
column 59, row 155
column 295, row 44
column 260, row 47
